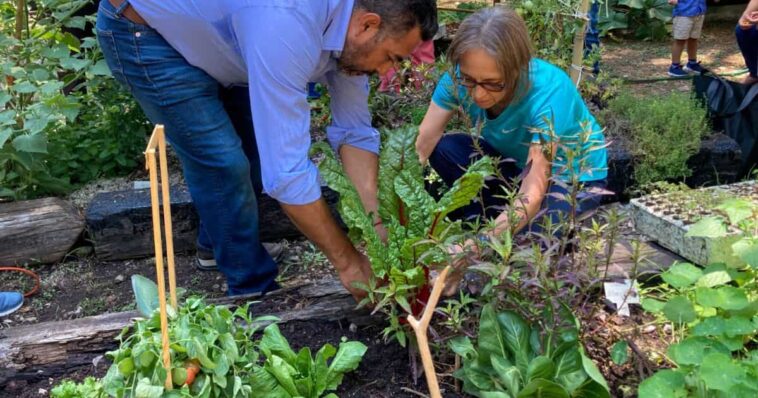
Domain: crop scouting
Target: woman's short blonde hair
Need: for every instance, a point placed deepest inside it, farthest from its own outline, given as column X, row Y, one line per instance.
column 502, row 33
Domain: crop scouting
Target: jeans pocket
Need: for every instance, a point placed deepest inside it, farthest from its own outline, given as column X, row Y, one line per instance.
column 110, row 53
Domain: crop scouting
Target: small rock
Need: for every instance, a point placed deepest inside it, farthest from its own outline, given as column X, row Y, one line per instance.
column 353, row 328
column 649, row 329
column 119, row 278
column 667, row 328
column 216, row 286
column 43, row 392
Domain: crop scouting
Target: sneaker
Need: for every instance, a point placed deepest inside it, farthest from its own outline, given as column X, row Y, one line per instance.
column 675, row 70
column 694, row 67
column 207, row 262
column 10, row 302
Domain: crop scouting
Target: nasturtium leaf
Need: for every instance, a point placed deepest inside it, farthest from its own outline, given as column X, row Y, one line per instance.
column 719, row 372
column 747, row 250
column 32, row 143
column 713, row 279
column 665, row 383
column 725, row 297
column 737, row 209
column 682, row 275
column 680, row 310
column 145, row 390
column 691, row 350
column 652, row 305
column 708, row 227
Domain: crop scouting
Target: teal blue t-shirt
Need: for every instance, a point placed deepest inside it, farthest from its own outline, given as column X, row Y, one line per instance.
column 551, row 99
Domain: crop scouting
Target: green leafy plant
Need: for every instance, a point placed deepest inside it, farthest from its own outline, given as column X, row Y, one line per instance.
column 60, row 112
column 719, row 304
column 89, row 388
column 647, row 19
column 286, row 374
column 551, row 25
column 663, row 133
column 212, row 355
column 514, row 359
column 417, row 225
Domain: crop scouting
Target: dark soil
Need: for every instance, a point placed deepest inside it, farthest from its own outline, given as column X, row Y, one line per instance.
column 88, row 286
column 383, row 373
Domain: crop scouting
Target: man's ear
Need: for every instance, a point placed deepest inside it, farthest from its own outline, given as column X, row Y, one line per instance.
column 365, row 25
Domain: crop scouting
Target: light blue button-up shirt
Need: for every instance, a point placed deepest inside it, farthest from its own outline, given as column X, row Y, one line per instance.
column 275, row 47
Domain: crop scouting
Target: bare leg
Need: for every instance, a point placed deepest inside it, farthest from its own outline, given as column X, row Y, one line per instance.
column 692, row 49
column 676, row 51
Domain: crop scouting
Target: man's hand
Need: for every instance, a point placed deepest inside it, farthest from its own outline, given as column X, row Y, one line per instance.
column 673, row 2
column 358, row 271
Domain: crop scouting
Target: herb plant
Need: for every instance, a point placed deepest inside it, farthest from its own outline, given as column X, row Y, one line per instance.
column 416, row 223
column 514, row 359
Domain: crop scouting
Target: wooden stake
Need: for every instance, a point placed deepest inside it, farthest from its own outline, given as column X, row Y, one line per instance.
column 167, row 225
column 575, row 69
column 420, row 329
column 157, row 240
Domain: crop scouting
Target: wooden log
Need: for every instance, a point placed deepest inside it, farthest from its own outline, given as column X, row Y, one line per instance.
column 120, row 227
column 51, row 348
column 38, row 231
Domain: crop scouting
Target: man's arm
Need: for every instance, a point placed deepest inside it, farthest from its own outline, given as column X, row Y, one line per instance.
column 353, row 137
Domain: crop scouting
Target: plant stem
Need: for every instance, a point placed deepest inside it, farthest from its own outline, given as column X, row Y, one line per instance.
column 21, row 18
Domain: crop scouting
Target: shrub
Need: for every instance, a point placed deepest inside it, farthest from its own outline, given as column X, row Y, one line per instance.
column 663, row 133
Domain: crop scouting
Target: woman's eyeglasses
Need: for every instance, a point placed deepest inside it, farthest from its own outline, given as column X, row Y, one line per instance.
column 471, row 83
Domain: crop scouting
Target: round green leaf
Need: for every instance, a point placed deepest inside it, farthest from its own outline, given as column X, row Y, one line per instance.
column 719, row 372
column 713, row 279
column 691, row 350
column 708, row 227
column 652, row 305
column 680, row 310
column 619, row 352
column 725, row 297
column 666, row 383
column 682, row 275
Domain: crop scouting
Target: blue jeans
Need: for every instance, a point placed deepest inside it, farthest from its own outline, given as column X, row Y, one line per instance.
column 592, row 35
column 211, row 130
column 748, row 42
column 457, row 151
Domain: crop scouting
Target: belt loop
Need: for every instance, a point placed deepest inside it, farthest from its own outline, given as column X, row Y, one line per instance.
column 120, row 9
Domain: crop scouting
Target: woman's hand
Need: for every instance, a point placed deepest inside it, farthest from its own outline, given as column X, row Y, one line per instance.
column 463, row 255
column 748, row 20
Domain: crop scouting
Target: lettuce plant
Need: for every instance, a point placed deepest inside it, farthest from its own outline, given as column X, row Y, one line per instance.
column 513, row 359
column 416, row 223
column 286, row 374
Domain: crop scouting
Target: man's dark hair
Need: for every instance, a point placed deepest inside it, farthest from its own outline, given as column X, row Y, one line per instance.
column 400, row 16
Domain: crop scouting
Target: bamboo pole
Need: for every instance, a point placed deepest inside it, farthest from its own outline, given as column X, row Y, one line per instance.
column 576, row 66
column 420, row 329
column 150, row 154
column 167, row 225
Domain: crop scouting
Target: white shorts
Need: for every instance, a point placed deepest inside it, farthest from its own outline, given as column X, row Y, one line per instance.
column 688, row 27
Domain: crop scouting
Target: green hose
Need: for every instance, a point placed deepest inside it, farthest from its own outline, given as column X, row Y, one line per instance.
column 660, row 79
